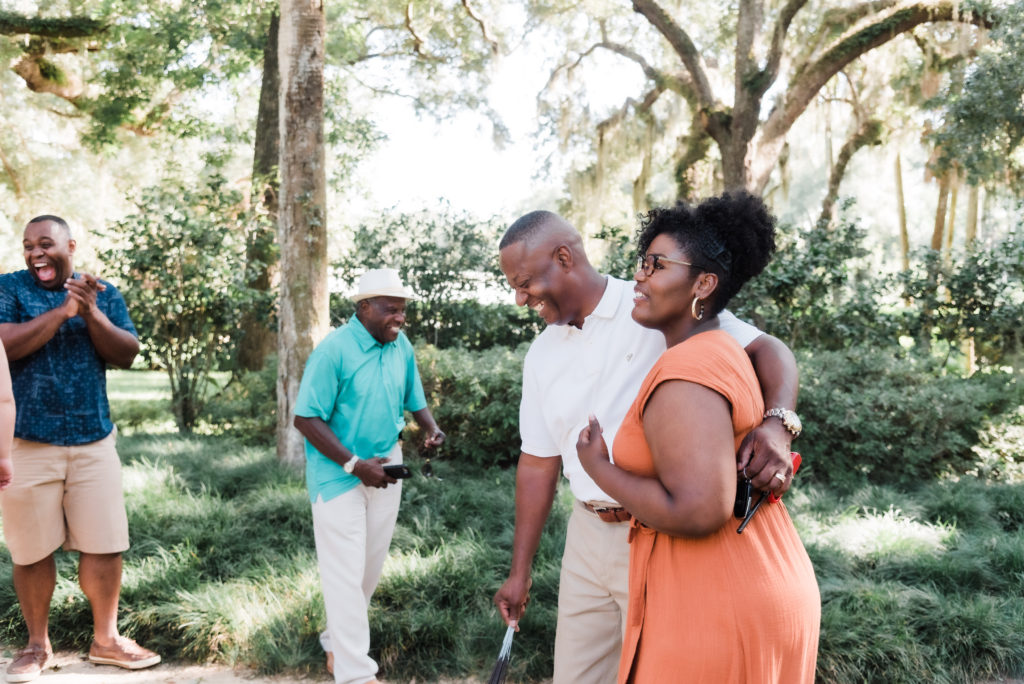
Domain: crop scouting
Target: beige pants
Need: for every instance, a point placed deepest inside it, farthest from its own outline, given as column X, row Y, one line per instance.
column 593, row 597
column 68, row 495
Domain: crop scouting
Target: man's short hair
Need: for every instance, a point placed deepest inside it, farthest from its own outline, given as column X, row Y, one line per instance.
column 526, row 227
column 56, row 219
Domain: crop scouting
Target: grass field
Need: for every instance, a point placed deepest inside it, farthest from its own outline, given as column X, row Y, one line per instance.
column 924, row 586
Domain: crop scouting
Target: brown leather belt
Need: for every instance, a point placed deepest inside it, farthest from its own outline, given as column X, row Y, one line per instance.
column 608, row 514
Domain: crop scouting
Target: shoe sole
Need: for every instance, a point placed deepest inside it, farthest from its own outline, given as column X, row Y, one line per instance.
column 23, row 677
column 128, row 665
column 28, row 676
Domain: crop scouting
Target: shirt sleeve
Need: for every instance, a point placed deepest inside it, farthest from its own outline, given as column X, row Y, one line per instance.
column 318, row 390
column 741, row 331
column 8, row 300
column 415, row 399
column 533, row 429
column 116, row 309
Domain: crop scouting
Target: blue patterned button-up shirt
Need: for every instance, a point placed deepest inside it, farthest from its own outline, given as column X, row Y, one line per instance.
column 60, row 390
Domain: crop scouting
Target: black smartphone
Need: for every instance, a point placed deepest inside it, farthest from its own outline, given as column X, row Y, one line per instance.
column 397, row 470
column 744, row 491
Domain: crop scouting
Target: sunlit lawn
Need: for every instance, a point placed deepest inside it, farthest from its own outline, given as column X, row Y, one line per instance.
column 921, row 587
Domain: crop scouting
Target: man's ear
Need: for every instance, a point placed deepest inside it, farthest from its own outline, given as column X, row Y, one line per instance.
column 71, row 246
column 563, row 255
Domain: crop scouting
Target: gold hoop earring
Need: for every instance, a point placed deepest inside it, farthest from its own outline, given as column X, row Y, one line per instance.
column 693, row 308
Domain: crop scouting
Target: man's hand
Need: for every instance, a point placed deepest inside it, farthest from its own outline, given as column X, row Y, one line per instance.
column 371, row 473
column 764, row 457
column 511, row 599
column 6, row 473
column 434, row 439
column 82, row 294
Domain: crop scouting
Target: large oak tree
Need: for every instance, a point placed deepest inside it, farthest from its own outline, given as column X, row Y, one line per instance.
column 740, row 74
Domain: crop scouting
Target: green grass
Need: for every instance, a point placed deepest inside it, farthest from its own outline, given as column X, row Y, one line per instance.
column 916, row 586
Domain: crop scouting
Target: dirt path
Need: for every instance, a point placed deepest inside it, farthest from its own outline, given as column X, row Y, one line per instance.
column 73, row 668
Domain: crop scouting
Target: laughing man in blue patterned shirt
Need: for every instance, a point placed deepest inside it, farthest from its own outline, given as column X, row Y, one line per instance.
column 60, row 329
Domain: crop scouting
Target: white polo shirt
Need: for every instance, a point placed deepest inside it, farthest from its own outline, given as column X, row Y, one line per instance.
column 570, row 373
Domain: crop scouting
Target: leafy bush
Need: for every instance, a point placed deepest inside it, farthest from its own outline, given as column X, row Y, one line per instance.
column 882, row 417
column 246, row 407
column 475, row 398
column 979, row 296
column 181, row 263
column 819, row 292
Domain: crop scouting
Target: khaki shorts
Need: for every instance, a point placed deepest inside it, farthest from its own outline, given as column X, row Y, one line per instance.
column 64, row 495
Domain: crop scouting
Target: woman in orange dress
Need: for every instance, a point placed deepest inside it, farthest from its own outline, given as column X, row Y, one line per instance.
column 705, row 604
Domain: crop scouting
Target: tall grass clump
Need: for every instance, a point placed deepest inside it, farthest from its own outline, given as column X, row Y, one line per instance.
column 919, row 586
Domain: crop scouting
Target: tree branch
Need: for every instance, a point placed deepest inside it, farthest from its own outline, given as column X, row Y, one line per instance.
column 786, row 16
column 640, row 107
column 483, row 27
column 12, row 24
column 868, row 133
column 680, row 84
column 808, row 81
column 683, row 46
column 417, row 42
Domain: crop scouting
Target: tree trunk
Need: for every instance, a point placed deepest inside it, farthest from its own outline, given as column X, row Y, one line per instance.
column 971, row 229
column 868, row 133
column 901, row 206
column 302, row 225
column 954, row 193
column 940, row 213
column 258, row 327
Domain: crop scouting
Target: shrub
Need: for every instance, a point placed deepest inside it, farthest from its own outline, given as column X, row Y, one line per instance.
column 978, row 296
column 475, row 398
column 247, row 406
column 881, row 417
column 181, row 264
column 819, row 291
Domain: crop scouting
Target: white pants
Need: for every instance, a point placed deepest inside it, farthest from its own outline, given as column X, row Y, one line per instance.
column 353, row 532
column 593, row 599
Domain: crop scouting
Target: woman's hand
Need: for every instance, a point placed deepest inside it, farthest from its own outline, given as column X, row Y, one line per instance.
column 590, row 447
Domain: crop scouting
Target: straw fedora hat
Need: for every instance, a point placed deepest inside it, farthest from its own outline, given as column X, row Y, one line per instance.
column 381, row 282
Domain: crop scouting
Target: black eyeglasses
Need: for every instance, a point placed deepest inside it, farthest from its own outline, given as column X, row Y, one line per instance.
column 649, row 263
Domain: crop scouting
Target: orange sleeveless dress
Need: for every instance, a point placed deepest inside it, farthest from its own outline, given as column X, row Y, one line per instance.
column 727, row 608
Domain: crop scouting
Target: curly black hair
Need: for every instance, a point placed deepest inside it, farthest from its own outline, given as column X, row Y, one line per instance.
column 731, row 235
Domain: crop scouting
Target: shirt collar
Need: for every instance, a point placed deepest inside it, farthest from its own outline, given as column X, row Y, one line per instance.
column 363, row 337
column 606, row 308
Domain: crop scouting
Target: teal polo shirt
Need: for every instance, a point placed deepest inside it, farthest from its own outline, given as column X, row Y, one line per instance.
column 360, row 388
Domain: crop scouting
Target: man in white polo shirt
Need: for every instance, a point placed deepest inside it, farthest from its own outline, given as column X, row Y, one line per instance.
column 592, row 358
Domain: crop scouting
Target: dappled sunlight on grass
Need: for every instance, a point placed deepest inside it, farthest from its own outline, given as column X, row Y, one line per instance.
column 145, row 476
column 137, row 385
column 872, row 534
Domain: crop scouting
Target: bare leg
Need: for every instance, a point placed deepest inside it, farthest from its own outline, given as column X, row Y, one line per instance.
column 100, row 578
column 34, row 584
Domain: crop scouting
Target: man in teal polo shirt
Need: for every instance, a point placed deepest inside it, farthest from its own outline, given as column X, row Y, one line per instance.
column 355, row 389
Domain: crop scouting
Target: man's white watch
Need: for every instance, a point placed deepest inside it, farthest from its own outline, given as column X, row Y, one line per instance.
column 789, row 419
column 350, row 465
